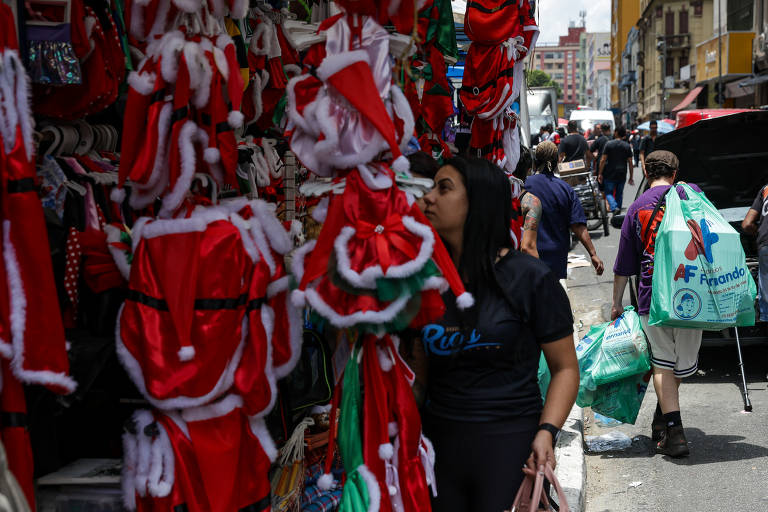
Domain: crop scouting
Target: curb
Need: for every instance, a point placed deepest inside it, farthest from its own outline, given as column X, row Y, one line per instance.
column 571, row 470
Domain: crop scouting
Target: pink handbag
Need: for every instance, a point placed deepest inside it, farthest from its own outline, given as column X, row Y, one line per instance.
column 531, row 494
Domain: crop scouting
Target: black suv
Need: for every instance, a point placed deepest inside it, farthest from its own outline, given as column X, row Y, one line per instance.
column 728, row 158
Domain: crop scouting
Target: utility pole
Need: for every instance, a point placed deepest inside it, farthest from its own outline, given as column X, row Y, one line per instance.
column 721, row 92
column 661, row 46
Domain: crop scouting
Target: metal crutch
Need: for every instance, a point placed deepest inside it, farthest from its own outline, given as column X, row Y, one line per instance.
column 747, row 403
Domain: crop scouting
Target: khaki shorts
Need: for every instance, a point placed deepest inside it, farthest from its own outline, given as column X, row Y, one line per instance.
column 673, row 349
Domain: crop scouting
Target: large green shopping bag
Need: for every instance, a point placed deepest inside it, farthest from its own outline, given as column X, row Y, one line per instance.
column 609, row 353
column 700, row 274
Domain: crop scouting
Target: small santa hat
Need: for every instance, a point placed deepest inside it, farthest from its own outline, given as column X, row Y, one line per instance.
column 327, row 480
column 350, row 75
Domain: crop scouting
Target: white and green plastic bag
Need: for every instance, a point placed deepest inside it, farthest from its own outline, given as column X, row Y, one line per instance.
column 700, row 274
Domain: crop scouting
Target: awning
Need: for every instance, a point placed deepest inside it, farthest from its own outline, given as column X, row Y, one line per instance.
column 754, row 80
column 736, row 90
column 688, row 99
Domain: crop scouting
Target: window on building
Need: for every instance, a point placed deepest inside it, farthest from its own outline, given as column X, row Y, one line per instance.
column 670, row 66
column 683, row 61
column 548, row 65
column 570, row 67
column 684, row 21
column 559, row 65
column 740, row 14
column 669, row 23
column 549, row 55
column 557, row 76
column 698, row 8
column 659, row 11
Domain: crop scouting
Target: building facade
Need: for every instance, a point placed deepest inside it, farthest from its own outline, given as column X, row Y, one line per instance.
column 670, row 33
column 598, row 70
column 624, row 15
column 629, row 84
column 561, row 61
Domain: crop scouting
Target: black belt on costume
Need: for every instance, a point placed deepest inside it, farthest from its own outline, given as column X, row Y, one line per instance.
column 21, row 186
column 477, row 90
column 200, row 304
column 259, row 506
column 490, row 10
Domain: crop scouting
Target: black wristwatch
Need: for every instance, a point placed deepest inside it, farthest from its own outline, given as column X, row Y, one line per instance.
column 552, row 430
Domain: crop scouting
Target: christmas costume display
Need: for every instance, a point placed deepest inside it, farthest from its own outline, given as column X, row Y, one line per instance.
column 502, row 34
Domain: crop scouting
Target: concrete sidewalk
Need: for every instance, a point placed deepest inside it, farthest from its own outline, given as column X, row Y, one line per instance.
column 571, row 470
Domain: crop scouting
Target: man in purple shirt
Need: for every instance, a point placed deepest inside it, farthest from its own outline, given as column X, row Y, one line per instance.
column 674, row 352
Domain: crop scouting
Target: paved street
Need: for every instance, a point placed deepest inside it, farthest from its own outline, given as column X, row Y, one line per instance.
column 728, row 466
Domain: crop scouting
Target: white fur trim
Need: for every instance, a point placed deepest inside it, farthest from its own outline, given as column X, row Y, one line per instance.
column 278, row 238
column 402, row 109
column 18, row 321
column 221, row 62
column 15, row 70
column 245, row 235
column 239, row 9
column 186, row 353
column 117, row 195
column 172, row 44
column 385, row 362
column 368, row 317
column 320, row 212
column 299, row 255
column 134, row 370
column 163, row 227
column 189, row 6
column 427, row 455
column 259, row 429
column 401, row 164
column 137, row 232
column 374, row 178
column 120, row 258
column 235, row 118
column 436, row 283
column 332, row 64
column 326, row 482
column 261, row 242
column 214, row 410
column 143, row 83
column 268, row 321
column 291, row 70
column 367, row 278
column 299, row 298
column 212, row 155
column 188, row 162
column 144, row 195
column 161, row 19
column 386, row 451
column 223, row 40
column 392, row 428
column 279, row 286
column 295, row 335
column 465, row 300
column 142, row 419
column 128, row 474
column 374, row 492
column 161, row 471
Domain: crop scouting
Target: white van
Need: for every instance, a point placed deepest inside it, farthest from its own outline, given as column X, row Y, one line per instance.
column 587, row 119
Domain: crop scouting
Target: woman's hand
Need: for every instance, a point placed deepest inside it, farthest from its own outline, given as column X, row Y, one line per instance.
column 542, row 451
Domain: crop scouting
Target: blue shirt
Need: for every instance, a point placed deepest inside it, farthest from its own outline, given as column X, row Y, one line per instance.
column 560, row 208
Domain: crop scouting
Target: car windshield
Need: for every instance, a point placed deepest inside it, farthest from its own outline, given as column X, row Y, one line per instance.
column 588, row 124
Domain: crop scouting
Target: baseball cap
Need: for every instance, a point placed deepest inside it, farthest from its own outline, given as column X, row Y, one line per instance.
column 663, row 157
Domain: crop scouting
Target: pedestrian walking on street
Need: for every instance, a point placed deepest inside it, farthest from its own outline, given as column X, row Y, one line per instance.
column 528, row 204
column 755, row 224
column 634, row 141
column 484, row 410
column 674, row 352
column 562, row 214
column 648, row 143
column 614, row 165
column 574, row 146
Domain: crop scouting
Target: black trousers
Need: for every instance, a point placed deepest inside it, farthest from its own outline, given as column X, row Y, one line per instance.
column 478, row 466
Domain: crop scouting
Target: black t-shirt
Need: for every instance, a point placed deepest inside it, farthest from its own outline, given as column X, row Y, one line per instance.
column 483, row 362
column 761, row 207
column 574, row 146
column 598, row 146
column 616, row 152
column 647, row 145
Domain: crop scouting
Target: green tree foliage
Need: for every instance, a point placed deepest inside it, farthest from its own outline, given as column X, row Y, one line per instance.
column 538, row 78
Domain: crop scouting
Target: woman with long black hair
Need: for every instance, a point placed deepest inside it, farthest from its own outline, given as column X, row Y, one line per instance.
column 484, row 410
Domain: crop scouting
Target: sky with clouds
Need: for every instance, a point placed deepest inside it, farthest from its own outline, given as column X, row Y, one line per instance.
column 554, row 16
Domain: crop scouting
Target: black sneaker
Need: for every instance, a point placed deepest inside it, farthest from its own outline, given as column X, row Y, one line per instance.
column 658, row 427
column 673, row 443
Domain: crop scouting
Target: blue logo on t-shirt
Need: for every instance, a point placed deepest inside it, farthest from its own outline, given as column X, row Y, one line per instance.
column 437, row 341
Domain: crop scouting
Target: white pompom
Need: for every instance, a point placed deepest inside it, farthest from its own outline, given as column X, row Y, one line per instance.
column 212, row 155
column 298, row 298
column 326, row 482
column 392, row 490
column 465, row 300
column 117, row 195
column 235, row 119
column 401, row 164
column 386, row 451
column 186, row 353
